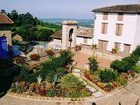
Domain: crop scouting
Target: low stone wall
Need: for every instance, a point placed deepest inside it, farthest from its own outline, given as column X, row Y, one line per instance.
column 49, row 99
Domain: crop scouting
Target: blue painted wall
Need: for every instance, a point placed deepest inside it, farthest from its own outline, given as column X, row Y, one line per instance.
column 3, row 47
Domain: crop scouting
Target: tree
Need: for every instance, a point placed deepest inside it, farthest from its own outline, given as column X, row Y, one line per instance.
column 67, row 56
column 44, row 34
column 93, row 64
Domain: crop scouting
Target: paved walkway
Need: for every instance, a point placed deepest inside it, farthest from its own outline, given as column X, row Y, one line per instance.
column 82, row 60
column 127, row 96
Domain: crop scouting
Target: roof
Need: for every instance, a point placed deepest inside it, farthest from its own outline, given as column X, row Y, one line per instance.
column 57, row 34
column 128, row 9
column 69, row 22
column 85, row 32
column 81, row 32
column 4, row 19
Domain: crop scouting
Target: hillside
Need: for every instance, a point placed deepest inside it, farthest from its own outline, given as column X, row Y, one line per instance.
column 31, row 28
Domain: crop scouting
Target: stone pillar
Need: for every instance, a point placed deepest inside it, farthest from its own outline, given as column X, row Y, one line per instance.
column 66, row 27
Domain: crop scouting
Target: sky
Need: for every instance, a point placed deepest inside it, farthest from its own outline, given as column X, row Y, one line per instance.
column 79, row 9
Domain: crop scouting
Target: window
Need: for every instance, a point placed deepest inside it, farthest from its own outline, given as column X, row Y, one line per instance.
column 102, row 45
column 104, row 28
column 127, row 48
column 117, row 45
column 120, row 17
column 105, row 16
column 85, row 40
column 119, row 28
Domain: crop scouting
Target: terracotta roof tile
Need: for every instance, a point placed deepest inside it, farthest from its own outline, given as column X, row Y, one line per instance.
column 5, row 19
column 128, row 9
column 81, row 32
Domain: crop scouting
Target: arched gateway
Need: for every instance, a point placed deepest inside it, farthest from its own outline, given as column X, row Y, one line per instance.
column 69, row 29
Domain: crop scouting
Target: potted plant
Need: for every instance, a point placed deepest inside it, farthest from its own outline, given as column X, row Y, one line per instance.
column 94, row 46
column 114, row 50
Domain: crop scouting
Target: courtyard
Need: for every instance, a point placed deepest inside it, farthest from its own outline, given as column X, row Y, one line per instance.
column 82, row 60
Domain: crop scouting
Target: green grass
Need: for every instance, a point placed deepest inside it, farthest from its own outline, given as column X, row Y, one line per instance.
column 44, row 27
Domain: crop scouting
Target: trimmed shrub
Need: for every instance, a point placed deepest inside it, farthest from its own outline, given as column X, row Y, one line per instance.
column 125, row 64
column 35, row 57
column 136, row 69
column 108, row 75
column 120, row 66
column 93, row 64
column 136, row 51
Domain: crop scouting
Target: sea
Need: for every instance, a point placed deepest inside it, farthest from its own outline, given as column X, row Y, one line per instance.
column 81, row 22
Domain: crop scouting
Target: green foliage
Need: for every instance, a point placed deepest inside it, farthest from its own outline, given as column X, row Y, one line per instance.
column 128, row 62
column 93, row 64
column 67, row 55
column 44, row 34
column 120, row 66
column 51, row 93
column 24, row 71
column 53, row 69
column 136, row 69
column 108, row 75
column 27, row 26
column 136, row 51
column 125, row 64
column 72, row 87
column 121, row 81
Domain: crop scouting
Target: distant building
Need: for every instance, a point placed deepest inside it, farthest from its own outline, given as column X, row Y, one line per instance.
column 117, row 27
column 17, row 38
column 5, row 35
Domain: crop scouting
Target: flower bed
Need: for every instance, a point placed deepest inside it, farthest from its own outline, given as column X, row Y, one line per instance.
column 52, row 79
column 121, row 80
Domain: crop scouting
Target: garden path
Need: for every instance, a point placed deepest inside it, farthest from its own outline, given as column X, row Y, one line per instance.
column 126, row 96
column 82, row 60
column 96, row 92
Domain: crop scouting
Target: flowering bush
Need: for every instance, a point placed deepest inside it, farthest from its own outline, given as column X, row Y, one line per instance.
column 35, row 57
column 20, row 60
column 50, row 53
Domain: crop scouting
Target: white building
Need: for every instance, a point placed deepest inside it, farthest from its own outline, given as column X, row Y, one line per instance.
column 72, row 35
column 117, row 27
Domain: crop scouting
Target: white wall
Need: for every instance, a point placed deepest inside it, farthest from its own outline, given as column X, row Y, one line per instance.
column 80, row 40
column 137, row 34
column 128, row 33
column 57, row 41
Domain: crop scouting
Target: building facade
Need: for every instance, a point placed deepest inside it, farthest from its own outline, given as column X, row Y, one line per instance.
column 117, row 27
column 72, row 35
column 5, row 35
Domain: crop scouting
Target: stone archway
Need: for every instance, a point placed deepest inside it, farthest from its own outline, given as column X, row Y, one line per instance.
column 69, row 29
